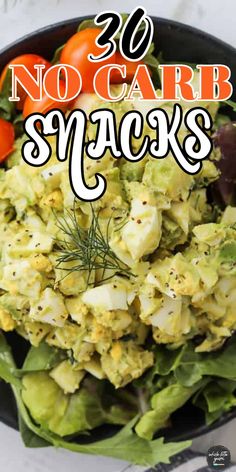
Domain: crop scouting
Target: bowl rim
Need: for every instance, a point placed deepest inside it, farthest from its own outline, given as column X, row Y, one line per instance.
column 163, row 21
column 177, row 26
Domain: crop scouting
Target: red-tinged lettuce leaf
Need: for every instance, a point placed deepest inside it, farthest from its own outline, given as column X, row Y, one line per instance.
column 225, row 139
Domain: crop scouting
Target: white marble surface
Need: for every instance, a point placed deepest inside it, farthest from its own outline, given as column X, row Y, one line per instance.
column 18, row 17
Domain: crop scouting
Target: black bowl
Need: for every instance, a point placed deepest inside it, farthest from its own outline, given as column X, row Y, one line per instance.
column 179, row 43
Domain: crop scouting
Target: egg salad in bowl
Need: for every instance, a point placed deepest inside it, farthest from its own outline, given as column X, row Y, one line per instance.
column 126, row 304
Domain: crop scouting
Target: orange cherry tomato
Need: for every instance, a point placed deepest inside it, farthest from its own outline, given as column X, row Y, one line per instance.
column 130, row 69
column 7, row 137
column 28, row 60
column 46, row 104
column 76, row 51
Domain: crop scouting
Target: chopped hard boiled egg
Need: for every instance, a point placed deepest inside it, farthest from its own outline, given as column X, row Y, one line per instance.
column 49, row 308
column 142, row 232
column 112, row 296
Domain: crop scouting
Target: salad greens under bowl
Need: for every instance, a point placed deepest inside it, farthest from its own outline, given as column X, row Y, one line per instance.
column 118, row 318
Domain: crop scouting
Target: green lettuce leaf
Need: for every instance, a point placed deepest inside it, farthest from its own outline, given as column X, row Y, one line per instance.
column 160, row 375
column 43, row 357
column 230, row 103
column 220, row 363
column 30, row 439
column 57, row 55
column 216, row 398
column 125, row 445
column 189, row 366
column 57, row 412
column 70, row 414
column 8, row 371
column 7, row 108
column 180, row 373
column 163, row 404
column 166, row 360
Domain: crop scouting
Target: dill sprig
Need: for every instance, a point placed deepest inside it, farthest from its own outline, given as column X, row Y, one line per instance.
column 89, row 249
